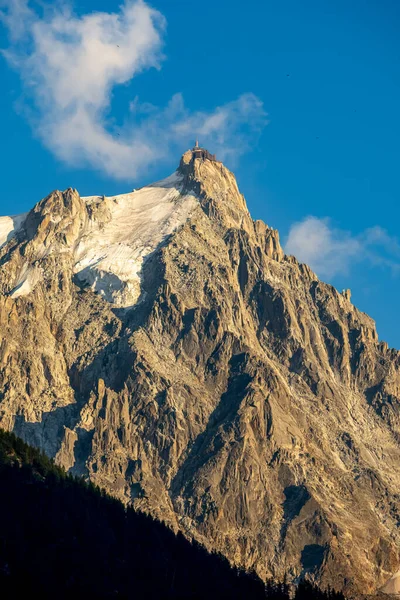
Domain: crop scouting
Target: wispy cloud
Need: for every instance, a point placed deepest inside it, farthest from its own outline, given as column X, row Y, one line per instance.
column 330, row 251
column 70, row 66
column 16, row 16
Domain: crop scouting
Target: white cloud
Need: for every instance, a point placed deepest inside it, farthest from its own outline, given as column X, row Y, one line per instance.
column 330, row 251
column 71, row 64
column 16, row 17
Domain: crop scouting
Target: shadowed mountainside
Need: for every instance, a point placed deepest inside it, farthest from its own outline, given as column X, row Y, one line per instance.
column 61, row 537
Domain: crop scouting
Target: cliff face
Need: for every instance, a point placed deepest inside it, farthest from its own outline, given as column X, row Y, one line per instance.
column 163, row 345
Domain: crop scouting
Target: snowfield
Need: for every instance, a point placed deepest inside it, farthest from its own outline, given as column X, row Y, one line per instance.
column 9, row 226
column 110, row 259
column 109, row 255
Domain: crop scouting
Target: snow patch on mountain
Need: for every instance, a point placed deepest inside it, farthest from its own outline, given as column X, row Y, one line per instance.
column 109, row 256
column 113, row 243
column 9, row 226
column 28, row 278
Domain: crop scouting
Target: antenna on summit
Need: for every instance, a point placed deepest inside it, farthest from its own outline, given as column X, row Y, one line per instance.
column 201, row 153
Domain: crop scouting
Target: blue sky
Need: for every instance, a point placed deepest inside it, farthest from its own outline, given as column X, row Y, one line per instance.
column 324, row 170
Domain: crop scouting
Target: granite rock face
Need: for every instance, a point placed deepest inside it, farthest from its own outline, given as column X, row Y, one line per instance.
column 239, row 398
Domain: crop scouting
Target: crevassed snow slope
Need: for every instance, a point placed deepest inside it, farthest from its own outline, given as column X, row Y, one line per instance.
column 109, row 258
column 9, row 227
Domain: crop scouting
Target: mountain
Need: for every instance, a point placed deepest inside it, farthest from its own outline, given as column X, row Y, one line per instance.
column 61, row 537
column 163, row 345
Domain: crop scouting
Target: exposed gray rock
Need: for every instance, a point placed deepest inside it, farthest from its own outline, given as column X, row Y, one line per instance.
column 240, row 400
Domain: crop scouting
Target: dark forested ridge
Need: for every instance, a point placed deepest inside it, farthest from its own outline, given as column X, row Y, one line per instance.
column 60, row 536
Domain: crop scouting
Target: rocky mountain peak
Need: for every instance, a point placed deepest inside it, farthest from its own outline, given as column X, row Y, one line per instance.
column 58, row 217
column 217, row 188
column 162, row 344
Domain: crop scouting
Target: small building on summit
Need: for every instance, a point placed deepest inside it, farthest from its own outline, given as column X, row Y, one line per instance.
column 202, row 153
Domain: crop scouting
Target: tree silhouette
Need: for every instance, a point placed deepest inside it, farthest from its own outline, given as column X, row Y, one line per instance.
column 61, row 537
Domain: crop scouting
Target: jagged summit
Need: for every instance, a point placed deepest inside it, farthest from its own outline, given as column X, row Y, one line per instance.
column 109, row 238
column 236, row 396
